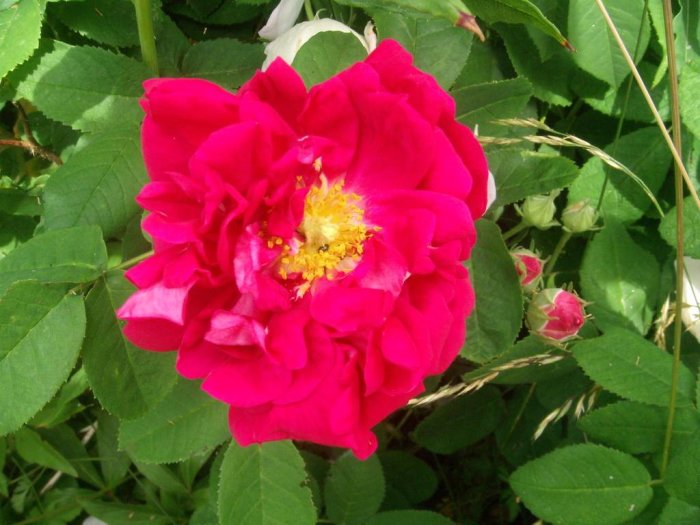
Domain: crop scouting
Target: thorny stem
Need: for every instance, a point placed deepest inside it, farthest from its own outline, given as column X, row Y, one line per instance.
column 678, row 326
column 147, row 39
column 650, row 102
column 30, row 143
column 558, row 249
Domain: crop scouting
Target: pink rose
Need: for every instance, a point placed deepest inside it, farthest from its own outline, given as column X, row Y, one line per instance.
column 529, row 268
column 556, row 315
column 308, row 245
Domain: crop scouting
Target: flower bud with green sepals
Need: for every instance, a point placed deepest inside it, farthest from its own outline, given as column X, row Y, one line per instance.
column 539, row 210
column 529, row 268
column 556, row 315
column 579, row 217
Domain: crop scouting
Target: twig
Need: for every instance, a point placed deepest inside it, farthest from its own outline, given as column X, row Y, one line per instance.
column 30, row 143
column 680, row 270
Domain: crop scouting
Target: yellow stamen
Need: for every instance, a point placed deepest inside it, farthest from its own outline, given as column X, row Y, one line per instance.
column 333, row 232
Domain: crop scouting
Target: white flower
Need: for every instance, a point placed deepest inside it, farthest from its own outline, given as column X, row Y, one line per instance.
column 691, row 296
column 93, row 521
column 282, row 19
column 287, row 45
column 490, row 191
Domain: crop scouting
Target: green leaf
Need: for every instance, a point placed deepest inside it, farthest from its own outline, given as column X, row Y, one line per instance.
column 20, row 28
column 691, row 228
column 65, row 404
column 438, row 47
column 186, row 422
column 551, row 78
column 409, row 517
column 450, row 10
column 87, row 88
column 677, row 512
column 520, row 173
column 481, row 104
column 73, row 255
column 688, row 92
column 123, row 513
column 226, row 61
column 596, row 49
column 461, row 422
column 637, row 428
column 408, row 478
column 630, row 366
column 126, row 380
column 64, row 439
column 113, row 463
column 98, row 184
column 264, row 485
column 645, row 153
column 354, row 489
column 497, row 289
column 33, row 449
column 515, row 12
column 326, row 54
column 111, row 22
column 682, row 478
column 621, row 279
column 41, row 330
column 582, row 485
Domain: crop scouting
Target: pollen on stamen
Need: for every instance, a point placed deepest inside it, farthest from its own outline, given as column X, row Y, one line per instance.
column 332, row 234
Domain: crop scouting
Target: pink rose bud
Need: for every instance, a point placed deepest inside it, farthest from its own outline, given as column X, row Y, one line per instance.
column 529, row 268
column 556, row 315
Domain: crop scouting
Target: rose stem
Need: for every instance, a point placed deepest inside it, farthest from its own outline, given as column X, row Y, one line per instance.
column 147, row 38
column 565, row 236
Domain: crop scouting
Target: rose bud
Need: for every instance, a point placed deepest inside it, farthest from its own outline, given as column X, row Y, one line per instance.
column 556, row 315
column 529, row 268
column 539, row 210
column 579, row 217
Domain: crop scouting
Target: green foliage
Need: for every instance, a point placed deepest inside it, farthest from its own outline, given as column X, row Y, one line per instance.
column 42, row 328
column 126, row 380
column 437, row 46
column 226, row 61
column 86, row 88
column 461, row 422
column 20, row 28
column 185, row 422
column 515, row 431
column 628, row 365
column 354, row 490
column 264, row 485
column 325, row 54
column 98, row 184
column 72, row 255
column 491, row 266
column 584, row 484
column 621, row 279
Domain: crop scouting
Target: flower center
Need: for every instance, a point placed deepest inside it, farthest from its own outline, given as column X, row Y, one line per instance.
column 332, row 234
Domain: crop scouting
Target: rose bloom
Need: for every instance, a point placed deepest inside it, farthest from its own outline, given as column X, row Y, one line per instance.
column 308, row 245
